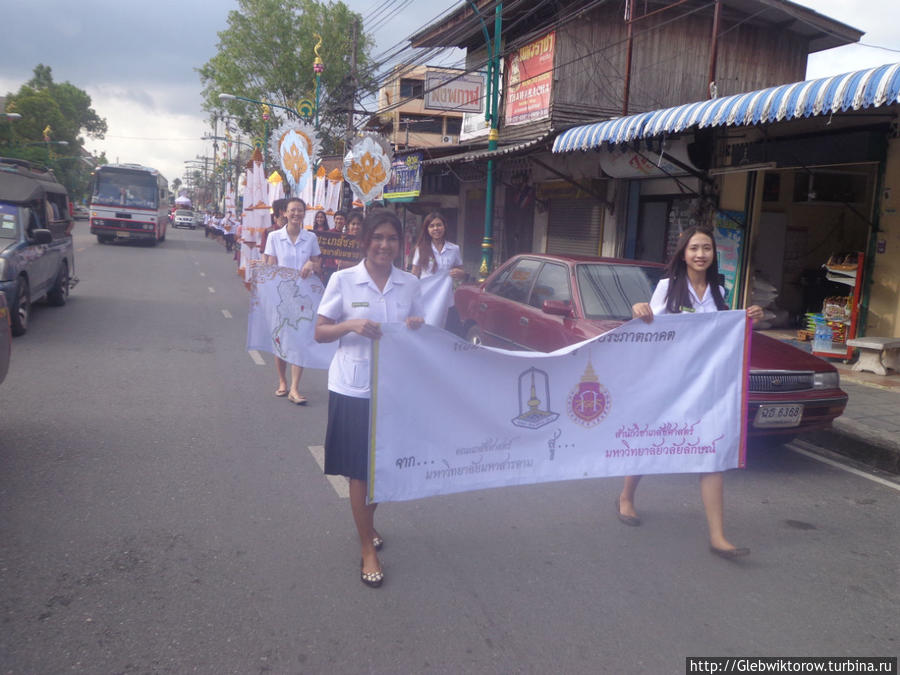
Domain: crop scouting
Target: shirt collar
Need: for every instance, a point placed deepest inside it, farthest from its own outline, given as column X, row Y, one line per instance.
column 361, row 277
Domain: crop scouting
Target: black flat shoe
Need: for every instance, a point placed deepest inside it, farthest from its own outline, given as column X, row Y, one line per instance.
column 729, row 553
column 370, row 579
column 632, row 521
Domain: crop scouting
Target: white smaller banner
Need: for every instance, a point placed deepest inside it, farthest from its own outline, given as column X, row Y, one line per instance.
column 282, row 318
column 437, row 292
column 664, row 397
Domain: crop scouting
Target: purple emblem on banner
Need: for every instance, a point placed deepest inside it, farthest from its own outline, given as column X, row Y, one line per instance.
column 589, row 401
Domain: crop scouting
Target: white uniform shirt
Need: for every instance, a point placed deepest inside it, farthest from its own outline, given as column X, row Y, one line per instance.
column 293, row 255
column 351, row 294
column 704, row 304
column 446, row 259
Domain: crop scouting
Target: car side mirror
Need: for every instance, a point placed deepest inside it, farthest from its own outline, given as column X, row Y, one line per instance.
column 41, row 236
column 557, row 308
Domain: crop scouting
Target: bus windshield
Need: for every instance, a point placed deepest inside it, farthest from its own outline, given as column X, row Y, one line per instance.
column 135, row 189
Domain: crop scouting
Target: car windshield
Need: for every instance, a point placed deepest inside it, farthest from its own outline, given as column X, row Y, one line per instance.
column 8, row 214
column 135, row 189
column 182, row 212
column 608, row 290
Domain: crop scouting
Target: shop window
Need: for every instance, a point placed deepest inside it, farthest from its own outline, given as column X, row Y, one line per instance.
column 454, row 126
column 421, row 124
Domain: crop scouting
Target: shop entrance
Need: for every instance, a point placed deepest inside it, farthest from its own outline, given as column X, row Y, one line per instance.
column 809, row 219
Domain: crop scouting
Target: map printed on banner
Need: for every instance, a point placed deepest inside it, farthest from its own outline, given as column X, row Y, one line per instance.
column 282, row 319
column 664, row 397
column 367, row 166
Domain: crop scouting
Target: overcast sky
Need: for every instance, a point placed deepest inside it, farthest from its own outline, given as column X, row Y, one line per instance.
column 137, row 60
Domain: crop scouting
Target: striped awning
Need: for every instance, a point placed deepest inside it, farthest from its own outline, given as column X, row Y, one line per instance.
column 868, row 88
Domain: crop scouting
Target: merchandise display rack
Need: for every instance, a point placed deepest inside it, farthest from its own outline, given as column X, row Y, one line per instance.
column 850, row 275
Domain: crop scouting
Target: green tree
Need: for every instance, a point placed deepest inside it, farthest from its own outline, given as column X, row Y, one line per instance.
column 267, row 52
column 67, row 111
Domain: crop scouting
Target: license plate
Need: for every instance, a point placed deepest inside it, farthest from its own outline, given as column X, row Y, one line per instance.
column 123, row 234
column 778, row 416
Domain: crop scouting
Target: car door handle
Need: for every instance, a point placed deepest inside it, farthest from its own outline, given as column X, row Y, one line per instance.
column 523, row 320
column 482, row 306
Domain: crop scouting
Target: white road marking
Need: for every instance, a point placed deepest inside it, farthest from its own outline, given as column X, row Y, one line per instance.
column 202, row 274
column 211, row 289
column 257, row 357
column 226, row 313
column 800, row 448
column 339, row 483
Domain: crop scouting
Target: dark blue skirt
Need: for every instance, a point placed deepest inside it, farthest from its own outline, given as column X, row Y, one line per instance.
column 347, row 436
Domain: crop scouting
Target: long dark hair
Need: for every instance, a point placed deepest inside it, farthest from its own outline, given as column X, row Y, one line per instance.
column 423, row 243
column 679, row 295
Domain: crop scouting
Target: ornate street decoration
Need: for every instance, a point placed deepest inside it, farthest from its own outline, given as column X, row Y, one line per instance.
column 296, row 144
column 368, row 168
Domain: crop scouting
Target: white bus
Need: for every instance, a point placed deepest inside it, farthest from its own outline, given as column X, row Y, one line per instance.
column 129, row 201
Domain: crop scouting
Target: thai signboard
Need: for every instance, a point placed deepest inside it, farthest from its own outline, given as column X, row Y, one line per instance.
column 530, row 81
column 454, row 91
column 406, row 177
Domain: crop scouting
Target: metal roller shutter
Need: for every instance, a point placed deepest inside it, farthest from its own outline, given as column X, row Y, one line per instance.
column 575, row 227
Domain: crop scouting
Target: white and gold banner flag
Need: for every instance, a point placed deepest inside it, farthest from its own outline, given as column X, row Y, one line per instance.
column 664, row 397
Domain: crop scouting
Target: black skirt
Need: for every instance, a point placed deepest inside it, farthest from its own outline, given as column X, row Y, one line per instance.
column 347, row 436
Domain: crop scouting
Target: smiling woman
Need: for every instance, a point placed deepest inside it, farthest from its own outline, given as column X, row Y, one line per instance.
column 356, row 302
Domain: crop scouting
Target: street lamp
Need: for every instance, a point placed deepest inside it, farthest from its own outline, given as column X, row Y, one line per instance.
column 490, row 116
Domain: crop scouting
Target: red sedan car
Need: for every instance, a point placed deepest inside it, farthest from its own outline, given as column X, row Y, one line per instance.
column 545, row 302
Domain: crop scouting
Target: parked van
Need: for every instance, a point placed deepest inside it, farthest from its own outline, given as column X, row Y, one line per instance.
column 37, row 258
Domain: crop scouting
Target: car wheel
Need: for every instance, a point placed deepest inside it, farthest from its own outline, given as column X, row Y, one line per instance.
column 57, row 296
column 103, row 239
column 473, row 335
column 20, row 311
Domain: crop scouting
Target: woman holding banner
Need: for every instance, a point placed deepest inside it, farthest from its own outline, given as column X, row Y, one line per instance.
column 691, row 285
column 438, row 264
column 357, row 301
column 297, row 248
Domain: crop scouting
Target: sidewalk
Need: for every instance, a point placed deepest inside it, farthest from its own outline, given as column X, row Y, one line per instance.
column 873, row 411
column 869, row 430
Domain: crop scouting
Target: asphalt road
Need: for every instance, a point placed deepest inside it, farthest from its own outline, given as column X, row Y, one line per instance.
column 162, row 512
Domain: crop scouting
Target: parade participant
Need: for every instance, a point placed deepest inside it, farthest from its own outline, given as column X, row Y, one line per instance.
column 320, row 222
column 229, row 227
column 356, row 301
column 295, row 247
column 340, row 221
column 691, row 284
column 279, row 220
column 354, row 228
column 355, row 222
column 438, row 263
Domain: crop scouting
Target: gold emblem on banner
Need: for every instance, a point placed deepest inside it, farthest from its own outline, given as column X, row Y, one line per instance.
column 366, row 173
column 293, row 161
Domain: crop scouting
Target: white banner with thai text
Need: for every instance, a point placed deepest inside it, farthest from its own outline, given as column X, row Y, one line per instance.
column 448, row 416
column 282, row 318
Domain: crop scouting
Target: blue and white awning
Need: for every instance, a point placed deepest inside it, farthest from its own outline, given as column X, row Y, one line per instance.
column 869, row 88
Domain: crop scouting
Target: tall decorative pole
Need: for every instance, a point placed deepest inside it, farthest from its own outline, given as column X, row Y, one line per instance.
column 318, row 67
column 265, row 116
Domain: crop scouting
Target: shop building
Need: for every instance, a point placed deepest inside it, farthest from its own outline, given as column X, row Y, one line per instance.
column 802, row 182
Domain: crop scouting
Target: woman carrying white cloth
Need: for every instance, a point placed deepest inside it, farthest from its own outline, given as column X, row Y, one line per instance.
column 437, row 262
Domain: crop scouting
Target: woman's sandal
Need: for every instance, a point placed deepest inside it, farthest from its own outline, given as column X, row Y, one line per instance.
column 370, row 579
column 299, row 400
column 281, row 393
